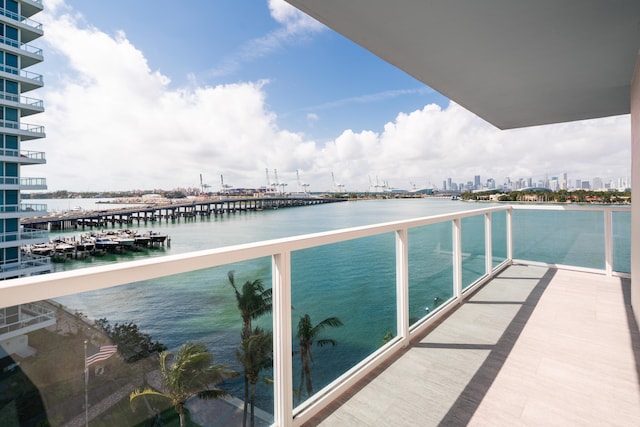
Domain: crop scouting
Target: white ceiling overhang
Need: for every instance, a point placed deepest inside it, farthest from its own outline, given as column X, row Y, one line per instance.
column 514, row 63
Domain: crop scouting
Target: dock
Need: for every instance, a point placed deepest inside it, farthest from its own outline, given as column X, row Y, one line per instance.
column 137, row 215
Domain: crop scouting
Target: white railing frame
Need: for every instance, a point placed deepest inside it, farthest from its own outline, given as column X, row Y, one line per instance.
column 35, row 288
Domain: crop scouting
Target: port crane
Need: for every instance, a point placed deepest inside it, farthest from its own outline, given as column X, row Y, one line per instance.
column 278, row 184
column 375, row 187
column 224, row 188
column 203, row 186
column 336, row 186
column 304, row 186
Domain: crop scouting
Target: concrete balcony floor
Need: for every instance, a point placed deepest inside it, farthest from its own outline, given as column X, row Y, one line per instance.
column 534, row 347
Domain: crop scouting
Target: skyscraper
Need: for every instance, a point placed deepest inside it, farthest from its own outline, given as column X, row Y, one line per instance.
column 17, row 54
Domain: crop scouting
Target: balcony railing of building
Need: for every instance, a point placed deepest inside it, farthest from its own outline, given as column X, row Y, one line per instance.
column 23, row 182
column 26, row 127
column 24, row 100
column 24, row 235
column 30, row 315
column 22, row 46
column 35, row 77
column 26, row 21
column 27, row 262
column 23, row 208
column 33, row 182
column 463, row 250
column 32, row 155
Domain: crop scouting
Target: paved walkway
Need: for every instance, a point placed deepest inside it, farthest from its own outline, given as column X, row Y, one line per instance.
column 534, row 347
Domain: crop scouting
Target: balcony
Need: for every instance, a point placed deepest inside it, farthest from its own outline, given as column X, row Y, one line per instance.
column 29, row 55
column 15, row 183
column 25, row 130
column 30, row 29
column 30, row 317
column 27, row 106
column 23, row 210
column 28, row 80
column 23, row 237
column 535, row 346
column 28, row 265
column 33, row 183
column 486, row 324
column 31, row 7
column 24, row 157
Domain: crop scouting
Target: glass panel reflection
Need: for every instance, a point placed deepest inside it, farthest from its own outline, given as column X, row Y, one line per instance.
column 352, row 282
column 622, row 242
column 119, row 335
column 473, row 250
column 498, row 237
column 559, row 237
column 430, row 269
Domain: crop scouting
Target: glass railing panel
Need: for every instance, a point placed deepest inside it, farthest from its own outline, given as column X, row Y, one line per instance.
column 566, row 237
column 473, row 250
column 354, row 282
column 622, row 242
column 430, row 269
column 498, row 237
column 141, row 319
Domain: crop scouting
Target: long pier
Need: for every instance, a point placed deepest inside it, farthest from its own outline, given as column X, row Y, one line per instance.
column 174, row 211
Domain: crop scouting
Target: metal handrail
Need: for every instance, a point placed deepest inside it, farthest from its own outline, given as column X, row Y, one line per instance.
column 27, row 21
column 22, row 73
column 22, row 46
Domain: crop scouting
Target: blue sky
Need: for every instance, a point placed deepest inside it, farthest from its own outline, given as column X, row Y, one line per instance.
column 144, row 95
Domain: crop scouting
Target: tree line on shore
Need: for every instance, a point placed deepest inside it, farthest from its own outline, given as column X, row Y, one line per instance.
column 561, row 196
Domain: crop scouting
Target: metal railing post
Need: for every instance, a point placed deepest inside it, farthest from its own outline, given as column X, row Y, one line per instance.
column 509, row 227
column 457, row 259
column 488, row 247
column 608, row 242
column 402, row 284
column 282, row 346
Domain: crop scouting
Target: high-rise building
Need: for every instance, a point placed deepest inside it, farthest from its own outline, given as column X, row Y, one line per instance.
column 597, row 183
column 17, row 55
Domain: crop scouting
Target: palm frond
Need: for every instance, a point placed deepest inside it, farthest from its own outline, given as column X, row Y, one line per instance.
column 147, row 392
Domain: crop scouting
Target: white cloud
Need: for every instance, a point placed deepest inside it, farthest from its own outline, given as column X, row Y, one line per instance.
column 293, row 20
column 113, row 123
column 432, row 144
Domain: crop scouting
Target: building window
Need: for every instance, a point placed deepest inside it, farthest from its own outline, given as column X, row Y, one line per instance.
column 11, row 142
column 11, row 33
column 11, row 169
column 11, row 60
column 11, row 114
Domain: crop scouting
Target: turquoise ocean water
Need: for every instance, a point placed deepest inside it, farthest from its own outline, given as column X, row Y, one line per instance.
column 353, row 280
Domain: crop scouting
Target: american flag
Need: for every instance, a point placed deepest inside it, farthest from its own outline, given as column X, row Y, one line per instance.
column 103, row 353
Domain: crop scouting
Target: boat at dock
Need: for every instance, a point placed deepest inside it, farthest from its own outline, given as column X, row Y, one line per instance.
column 105, row 243
column 157, row 237
column 96, row 243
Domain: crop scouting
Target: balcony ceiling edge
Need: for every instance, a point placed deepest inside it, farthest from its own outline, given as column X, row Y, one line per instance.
column 514, row 64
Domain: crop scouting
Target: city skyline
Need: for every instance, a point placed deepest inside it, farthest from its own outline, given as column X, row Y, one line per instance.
column 241, row 87
column 551, row 182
